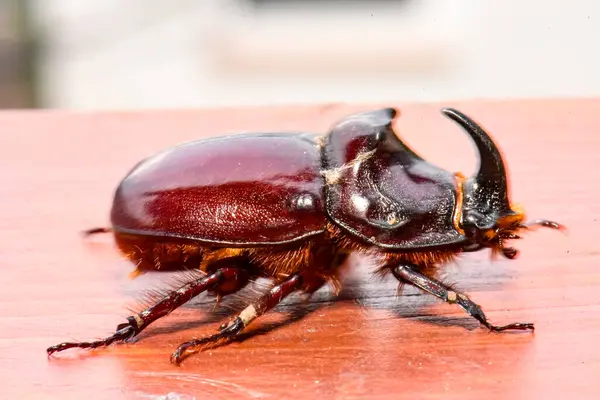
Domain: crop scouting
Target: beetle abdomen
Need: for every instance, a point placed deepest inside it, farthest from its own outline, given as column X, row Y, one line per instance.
column 236, row 190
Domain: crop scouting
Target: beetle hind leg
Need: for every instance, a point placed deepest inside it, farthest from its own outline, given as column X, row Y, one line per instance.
column 299, row 281
column 407, row 274
column 230, row 278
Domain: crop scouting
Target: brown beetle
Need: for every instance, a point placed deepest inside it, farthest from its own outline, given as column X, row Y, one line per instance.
column 291, row 207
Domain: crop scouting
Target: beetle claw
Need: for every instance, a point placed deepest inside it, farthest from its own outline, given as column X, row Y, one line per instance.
column 124, row 332
column 227, row 331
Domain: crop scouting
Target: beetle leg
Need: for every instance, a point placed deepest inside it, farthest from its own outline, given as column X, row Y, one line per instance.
column 137, row 323
column 407, row 274
column 250, row 313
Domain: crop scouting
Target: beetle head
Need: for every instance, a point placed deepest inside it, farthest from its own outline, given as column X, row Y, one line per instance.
column 488, row 217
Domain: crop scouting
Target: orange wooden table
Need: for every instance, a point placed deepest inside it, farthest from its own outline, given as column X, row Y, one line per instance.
column 58, row 173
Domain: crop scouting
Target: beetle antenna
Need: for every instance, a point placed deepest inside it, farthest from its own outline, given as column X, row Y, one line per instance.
column 545, row 224
column 93, row 231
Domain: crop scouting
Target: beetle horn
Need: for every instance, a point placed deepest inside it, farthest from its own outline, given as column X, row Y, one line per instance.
column 490, row 181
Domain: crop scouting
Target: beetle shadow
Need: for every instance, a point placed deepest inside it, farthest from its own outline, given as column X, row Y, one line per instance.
column 207, row 319
column 354, row 292
column 414, row 307
column 295, row 312
column 295, row 308
column 414, row 304
column 411, row 304
column 406, row 306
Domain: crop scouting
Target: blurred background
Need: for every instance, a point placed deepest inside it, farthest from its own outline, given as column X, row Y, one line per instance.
column 143, row 54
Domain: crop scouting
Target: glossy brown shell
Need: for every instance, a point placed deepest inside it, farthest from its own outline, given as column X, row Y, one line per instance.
column 234, row 190
column 381, row 191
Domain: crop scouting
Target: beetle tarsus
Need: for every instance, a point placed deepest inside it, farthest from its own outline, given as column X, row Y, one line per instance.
column 408, row 274
column 516, row 326
column 126, row 332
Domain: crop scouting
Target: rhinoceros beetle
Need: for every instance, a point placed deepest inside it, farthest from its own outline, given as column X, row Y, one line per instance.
column 292, row 206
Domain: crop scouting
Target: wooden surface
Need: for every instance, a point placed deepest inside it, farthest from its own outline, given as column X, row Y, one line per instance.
column 58, row 172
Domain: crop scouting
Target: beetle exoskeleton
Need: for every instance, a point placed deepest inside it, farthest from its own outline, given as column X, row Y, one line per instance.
column 291, row 207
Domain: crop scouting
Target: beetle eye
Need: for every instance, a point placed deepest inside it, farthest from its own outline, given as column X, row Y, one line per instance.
column 475, row 219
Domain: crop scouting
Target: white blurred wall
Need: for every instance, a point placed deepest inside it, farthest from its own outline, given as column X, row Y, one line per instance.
column 109, row 54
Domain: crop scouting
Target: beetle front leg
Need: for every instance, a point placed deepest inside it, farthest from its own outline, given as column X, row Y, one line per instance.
column 250, row 313
column 233, row 277
column 407, row 274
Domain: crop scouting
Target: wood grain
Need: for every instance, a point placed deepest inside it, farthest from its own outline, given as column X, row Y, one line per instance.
column 58, row 173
